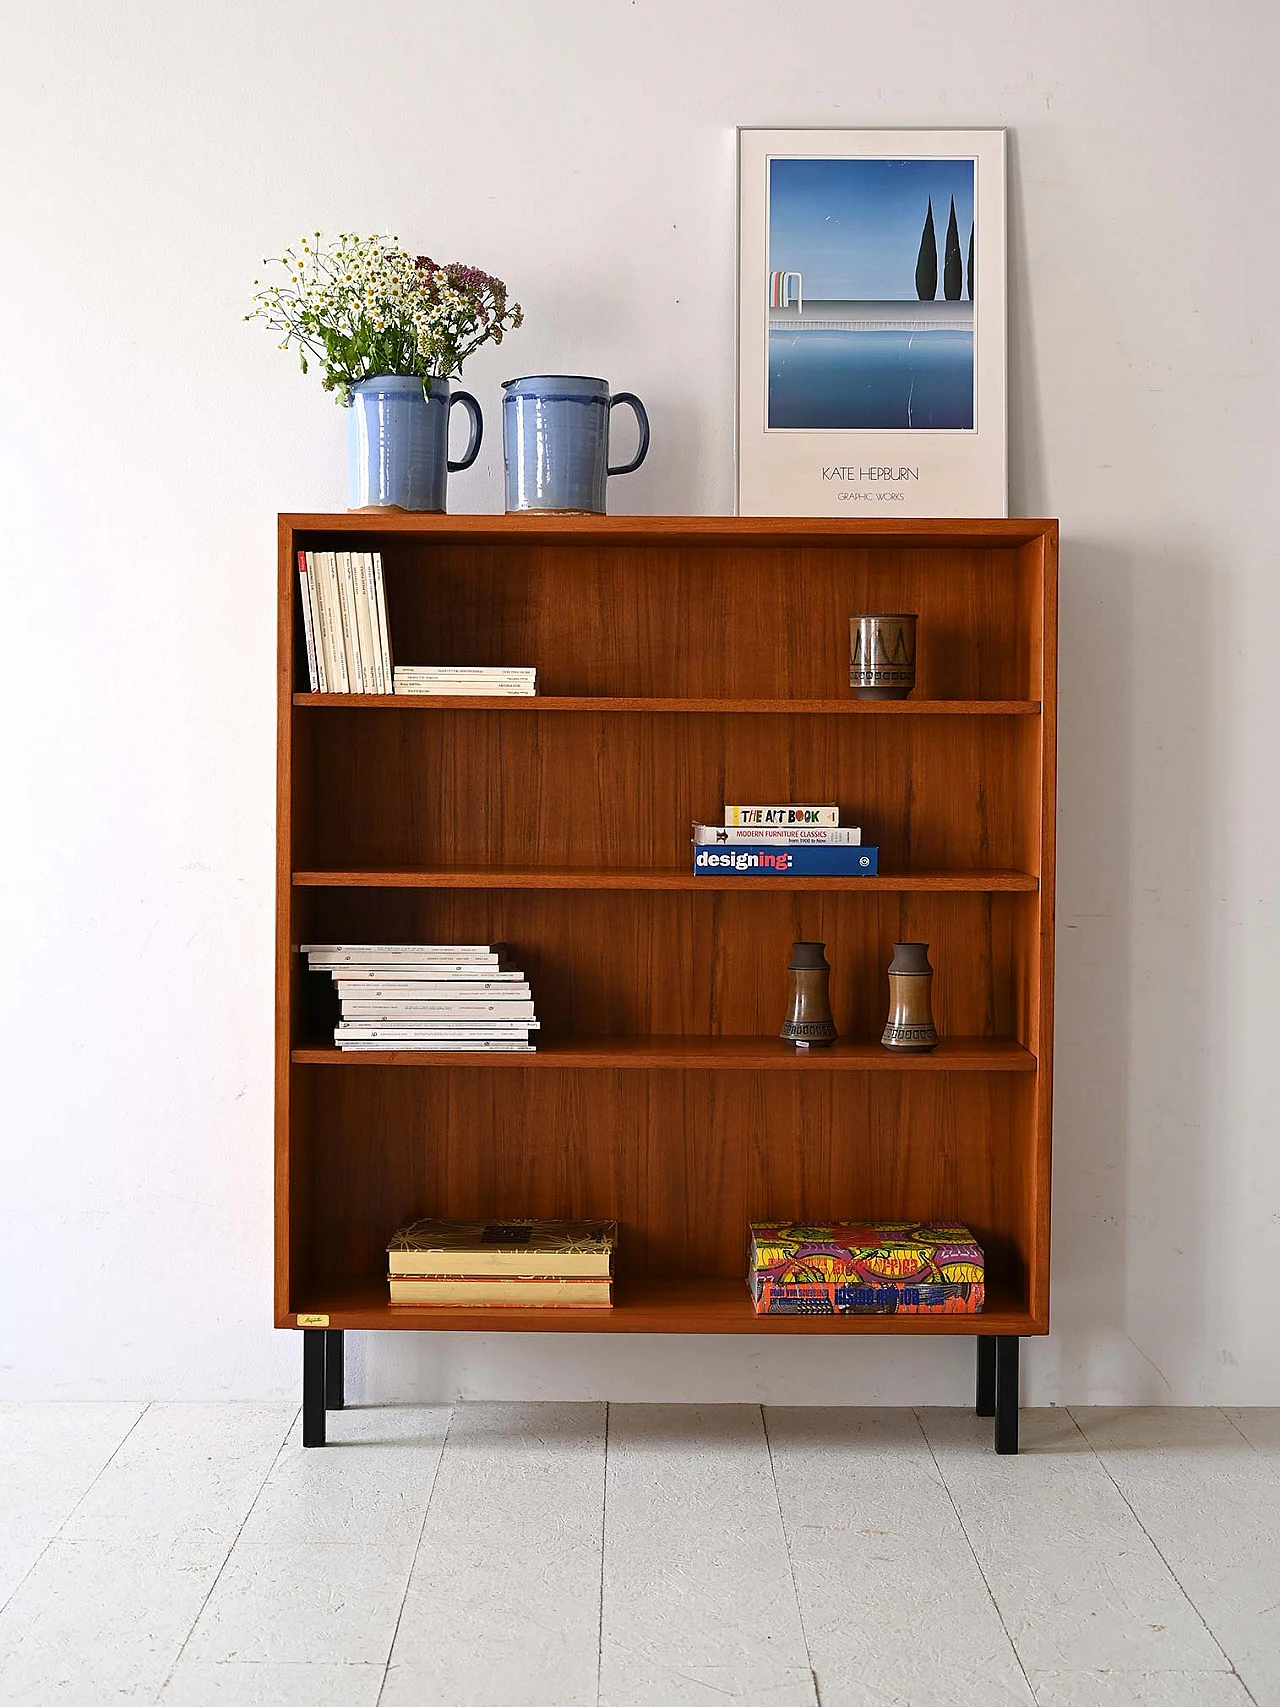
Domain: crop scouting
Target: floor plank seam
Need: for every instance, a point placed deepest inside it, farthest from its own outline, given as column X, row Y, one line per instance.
column 1155, row 1546
column 791, row 1563
column 177, row 1658
column 604, row 1510
column 417, row 1548
column 973, row 1552
column 1232, row 1423
column 4, row 1605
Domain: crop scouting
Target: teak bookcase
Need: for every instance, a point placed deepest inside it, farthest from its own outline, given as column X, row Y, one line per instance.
column 682, row 662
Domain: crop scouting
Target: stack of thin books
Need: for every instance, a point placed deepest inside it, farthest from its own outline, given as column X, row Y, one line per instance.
column 494, row 1265
column 344, row 621
column 783, row 840
column 427, row 996
column 496, row 682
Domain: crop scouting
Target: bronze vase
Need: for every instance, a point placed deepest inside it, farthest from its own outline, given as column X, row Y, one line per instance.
column 808, row 1023
column 882, row 656
column 910, row 1027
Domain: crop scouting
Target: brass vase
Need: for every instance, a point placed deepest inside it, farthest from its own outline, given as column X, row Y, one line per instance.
column 808, row 1023
column 910, row 1027
column 882, row 656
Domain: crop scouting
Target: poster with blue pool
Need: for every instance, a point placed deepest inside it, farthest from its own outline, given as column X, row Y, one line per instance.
column 872, row 323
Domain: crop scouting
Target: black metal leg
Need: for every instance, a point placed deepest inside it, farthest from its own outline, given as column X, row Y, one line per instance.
column 313, row 1386
column 334, row 1371
column 986, row 1404
column 1007, row 1393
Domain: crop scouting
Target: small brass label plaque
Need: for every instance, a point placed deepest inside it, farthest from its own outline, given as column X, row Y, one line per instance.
column 305, row 1321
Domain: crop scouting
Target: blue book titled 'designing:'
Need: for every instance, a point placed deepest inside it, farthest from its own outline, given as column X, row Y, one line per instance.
column 743, row 860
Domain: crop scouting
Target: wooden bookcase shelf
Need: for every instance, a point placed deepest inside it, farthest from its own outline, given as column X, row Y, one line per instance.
column 747, row 1054
column 741, row 707
column 569, row 877
column 683, row 662
column 644, row 1305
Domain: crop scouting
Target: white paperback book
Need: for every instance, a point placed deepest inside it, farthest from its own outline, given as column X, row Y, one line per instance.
column 793, row 835
column 320, row 618
column 402, row 953
column 432, row 1011
column 370, row 661
column 434, row 980
column 380, row 611
column 350, row 624
column 475, row 1045
column 431, row 1034
column 308, row 624
column 333, row 605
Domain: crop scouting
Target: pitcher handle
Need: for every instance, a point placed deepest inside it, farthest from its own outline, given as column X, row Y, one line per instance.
column 642, row 422
column 472, row 451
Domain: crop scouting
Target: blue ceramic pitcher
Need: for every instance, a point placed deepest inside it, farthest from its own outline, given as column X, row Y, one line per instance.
column 398, row 441
column 555, row 441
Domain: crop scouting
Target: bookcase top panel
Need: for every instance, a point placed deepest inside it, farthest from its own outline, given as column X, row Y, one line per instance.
column 779, row 530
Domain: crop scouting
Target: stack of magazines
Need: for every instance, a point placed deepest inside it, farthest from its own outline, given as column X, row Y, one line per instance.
column 498, row 681
column 431, row 996
column 491, row 1265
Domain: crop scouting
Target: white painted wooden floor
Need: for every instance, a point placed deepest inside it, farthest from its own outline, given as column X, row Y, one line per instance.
column 637, row 1556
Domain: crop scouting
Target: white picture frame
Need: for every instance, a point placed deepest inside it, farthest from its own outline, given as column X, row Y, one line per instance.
column 859, row 393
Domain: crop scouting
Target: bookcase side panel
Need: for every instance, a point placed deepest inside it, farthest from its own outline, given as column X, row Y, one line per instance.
column 286, row 972
column 1041, row 1178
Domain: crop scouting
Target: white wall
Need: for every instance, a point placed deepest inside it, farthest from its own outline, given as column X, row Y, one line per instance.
column 153, row 154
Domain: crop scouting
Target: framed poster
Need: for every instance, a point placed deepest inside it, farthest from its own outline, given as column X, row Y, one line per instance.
column 871, row 323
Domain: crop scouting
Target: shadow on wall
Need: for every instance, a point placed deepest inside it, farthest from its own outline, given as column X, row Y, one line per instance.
column 1131, row 1171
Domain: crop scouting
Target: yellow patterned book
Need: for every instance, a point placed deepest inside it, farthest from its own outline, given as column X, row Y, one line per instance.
column 525, row 1250
column 498, row 1293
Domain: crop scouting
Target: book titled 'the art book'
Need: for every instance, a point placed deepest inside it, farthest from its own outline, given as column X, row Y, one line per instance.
column 815, row 817
column 800, row 1268
column 747, row 860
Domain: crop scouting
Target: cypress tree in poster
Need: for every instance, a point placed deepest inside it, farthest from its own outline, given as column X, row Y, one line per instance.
column 927, row 260
column 951, row 266
column 970, row 269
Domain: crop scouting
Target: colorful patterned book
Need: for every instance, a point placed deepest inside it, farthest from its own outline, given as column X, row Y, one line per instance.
column 801, row 1268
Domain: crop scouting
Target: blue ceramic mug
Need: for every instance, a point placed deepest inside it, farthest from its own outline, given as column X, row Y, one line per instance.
column 398, row 441
column 555, row 441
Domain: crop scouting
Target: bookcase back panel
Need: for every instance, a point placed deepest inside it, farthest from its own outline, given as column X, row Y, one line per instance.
column 698, row 964
column 653, row 618
column 684, row 1160
column 593, row 789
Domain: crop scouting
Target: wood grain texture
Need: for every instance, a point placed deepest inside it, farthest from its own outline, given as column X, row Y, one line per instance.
column 644, row 1306
column 515, row 703
column 671, row 964
column 388, row 523
column 725, row 1054
column 683, row 1159
column 589, row 792
column 659, row 1094
column 629, row 878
